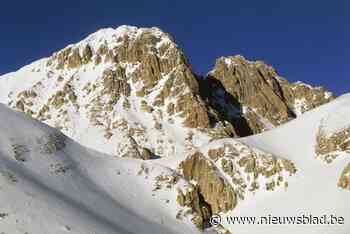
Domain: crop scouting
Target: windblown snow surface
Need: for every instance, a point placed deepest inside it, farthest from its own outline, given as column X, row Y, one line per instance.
column 51, row 185
column 313, row 190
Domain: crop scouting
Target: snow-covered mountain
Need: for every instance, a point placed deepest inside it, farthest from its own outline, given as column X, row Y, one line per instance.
column 117, row 91
column 150, row 147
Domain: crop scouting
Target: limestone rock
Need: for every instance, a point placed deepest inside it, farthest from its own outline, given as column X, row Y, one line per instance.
column 74, row 59
column 329, row 145
column 344, row 181
column 247, row 169
column 146, row 154
column 254, row 98
column 115, row 85
column 216, row 192
column 87, row 54
column 192, row 199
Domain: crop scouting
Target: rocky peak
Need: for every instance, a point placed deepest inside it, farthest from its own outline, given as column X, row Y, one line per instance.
column 254, row 98
column 133, row 86
column 124, row 45
column 148, row 58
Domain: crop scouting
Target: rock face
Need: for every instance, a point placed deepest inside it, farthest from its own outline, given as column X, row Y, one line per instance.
column 216, row 192
column 331, row 145
column 191, row 199
column 249, row 170
column 225, row 172
column 328, row 146
column 344, row 181
column 254, row 98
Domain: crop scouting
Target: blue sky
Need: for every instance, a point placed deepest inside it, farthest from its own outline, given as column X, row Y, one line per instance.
column 305, row 40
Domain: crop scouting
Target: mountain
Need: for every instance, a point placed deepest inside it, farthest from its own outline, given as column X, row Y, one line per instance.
column 254, row 98
column 139, row 143
column 130, row 88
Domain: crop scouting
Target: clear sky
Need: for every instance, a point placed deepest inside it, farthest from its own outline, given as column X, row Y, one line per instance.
column 305, row 40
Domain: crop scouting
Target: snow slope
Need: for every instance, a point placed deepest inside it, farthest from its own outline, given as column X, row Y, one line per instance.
column 50, row 184
column 313, row 190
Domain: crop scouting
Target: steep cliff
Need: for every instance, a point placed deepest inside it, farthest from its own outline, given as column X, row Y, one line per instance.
column 254, row 98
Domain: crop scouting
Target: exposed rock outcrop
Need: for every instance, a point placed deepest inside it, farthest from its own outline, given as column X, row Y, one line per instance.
column 254, row 98
column 225, row 172
column 249, row 170
column 215, row 190
column 331, row 145
column 344, row 181
column 328, row 146
column 191, row 199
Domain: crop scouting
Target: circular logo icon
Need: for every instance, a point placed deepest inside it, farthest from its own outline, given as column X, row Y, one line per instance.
column 215, row 220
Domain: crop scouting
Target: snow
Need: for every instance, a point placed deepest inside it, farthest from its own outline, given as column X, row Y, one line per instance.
column 328, row 95
column 96, row 194
column 229, row 62
column 111, row 37
column 32, row 72
column 313, row 190
column 302, row 84
column 299, row 105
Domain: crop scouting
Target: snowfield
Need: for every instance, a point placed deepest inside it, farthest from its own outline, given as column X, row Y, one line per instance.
column 53, row 185
column 313, row 190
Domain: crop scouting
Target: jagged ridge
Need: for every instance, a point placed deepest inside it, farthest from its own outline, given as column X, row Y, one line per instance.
column 254, row 98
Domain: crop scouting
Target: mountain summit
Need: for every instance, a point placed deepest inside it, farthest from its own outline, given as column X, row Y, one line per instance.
column 254, row 98
column 130, row 88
